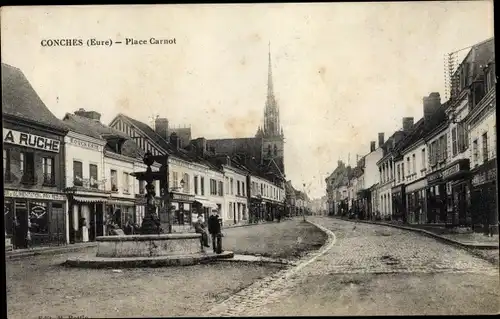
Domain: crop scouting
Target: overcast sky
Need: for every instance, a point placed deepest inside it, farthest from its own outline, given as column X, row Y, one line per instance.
column 342, row 71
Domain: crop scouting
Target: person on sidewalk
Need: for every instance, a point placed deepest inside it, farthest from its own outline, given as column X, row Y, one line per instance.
column 214, row 228
column 199, row 228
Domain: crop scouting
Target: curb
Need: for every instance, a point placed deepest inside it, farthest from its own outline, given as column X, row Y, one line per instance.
column 46, row 251
column 430, row 234
column 142, row 262
column 257, row 224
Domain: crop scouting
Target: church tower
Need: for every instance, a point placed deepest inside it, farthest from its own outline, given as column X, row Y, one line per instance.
column 272, row 132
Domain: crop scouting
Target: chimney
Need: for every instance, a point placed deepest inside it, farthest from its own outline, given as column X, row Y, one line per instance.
column 174, row 141
column 228, row 161
column 161, row 127
column 93, row 115
column 431, row 104
column 380, row 139
column 201, row 146
column 407, row 124
column 372, row 146
column 339, row 163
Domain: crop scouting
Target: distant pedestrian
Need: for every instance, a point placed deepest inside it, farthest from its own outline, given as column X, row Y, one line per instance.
column 214, row 228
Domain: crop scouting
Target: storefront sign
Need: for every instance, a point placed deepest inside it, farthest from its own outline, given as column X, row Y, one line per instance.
column 451, row 170
column 434, row 177
column 84, row 144
column 459, row 167
column 485, row 177
column 34, row 195
column 182, row 197
column 31, row 140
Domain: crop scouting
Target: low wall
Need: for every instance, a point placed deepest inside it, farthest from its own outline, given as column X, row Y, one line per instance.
column 148, row 245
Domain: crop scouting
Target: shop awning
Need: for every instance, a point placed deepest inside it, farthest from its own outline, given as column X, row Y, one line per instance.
column 206, row 203
column 89, row 199
column 121, row 202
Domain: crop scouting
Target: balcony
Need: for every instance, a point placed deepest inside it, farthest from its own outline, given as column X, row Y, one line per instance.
column 49, row 179
column 29, row 179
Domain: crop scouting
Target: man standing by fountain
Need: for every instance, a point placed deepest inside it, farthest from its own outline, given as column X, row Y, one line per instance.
column 214, row 228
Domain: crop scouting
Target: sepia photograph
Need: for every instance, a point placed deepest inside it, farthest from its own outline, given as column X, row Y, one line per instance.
column 245, row 160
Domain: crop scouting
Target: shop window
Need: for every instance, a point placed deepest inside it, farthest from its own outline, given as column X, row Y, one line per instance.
column 8, row 217
column 38, row 221
column 6, row 165
column 485, row 147
column 220, row 189
column 77, row 173
column 202, row 186
column 114, row 180
column 48, row 170
column 93, row 176
column 27, row 161
column 125, row 183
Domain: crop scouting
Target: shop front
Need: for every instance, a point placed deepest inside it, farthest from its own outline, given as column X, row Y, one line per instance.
column 484, row 197
column 202, row 206
column 399, row 203
column 35, row 218
column 119, row 213
column 364, row 204
column 457, row 178
column 256, row 209
column 416, row 202
column 436, row 198
column 182, row 210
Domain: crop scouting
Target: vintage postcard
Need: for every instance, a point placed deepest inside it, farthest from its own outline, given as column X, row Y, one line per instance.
column 250, row 160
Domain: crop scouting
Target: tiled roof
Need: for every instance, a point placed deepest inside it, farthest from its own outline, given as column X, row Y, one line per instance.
column 96, row 129
column 251, row 146
column 179, row 153
column 19, row 99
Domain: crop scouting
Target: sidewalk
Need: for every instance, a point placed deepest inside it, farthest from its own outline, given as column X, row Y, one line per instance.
column 19, row 253
column 467, row 240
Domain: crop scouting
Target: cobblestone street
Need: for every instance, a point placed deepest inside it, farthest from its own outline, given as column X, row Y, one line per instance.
column 374, row 270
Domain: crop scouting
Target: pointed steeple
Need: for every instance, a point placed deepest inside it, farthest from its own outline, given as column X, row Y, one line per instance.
column 271, row 111
column 270, row 90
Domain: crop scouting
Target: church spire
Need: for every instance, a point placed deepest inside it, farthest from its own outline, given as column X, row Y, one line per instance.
column 271, row 111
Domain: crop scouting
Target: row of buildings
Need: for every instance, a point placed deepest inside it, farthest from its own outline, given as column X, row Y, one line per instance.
column 62, row 174
column 440, row 169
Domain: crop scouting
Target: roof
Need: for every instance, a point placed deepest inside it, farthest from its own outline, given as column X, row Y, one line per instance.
column 20, row 100
column 251, row 146
column 96, row 129
column 179, row 153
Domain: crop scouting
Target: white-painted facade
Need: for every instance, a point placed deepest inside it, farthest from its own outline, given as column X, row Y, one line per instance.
column 265, row 188
column 84, row 170
column 482, row 132
column 235, row 194
column 386, row 175
column 371, row 172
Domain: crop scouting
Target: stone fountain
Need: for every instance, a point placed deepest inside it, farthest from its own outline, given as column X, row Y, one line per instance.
column 151, row 248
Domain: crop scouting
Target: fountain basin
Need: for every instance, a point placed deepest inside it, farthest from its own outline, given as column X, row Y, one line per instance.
column 148, row 245
column 143, row 262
